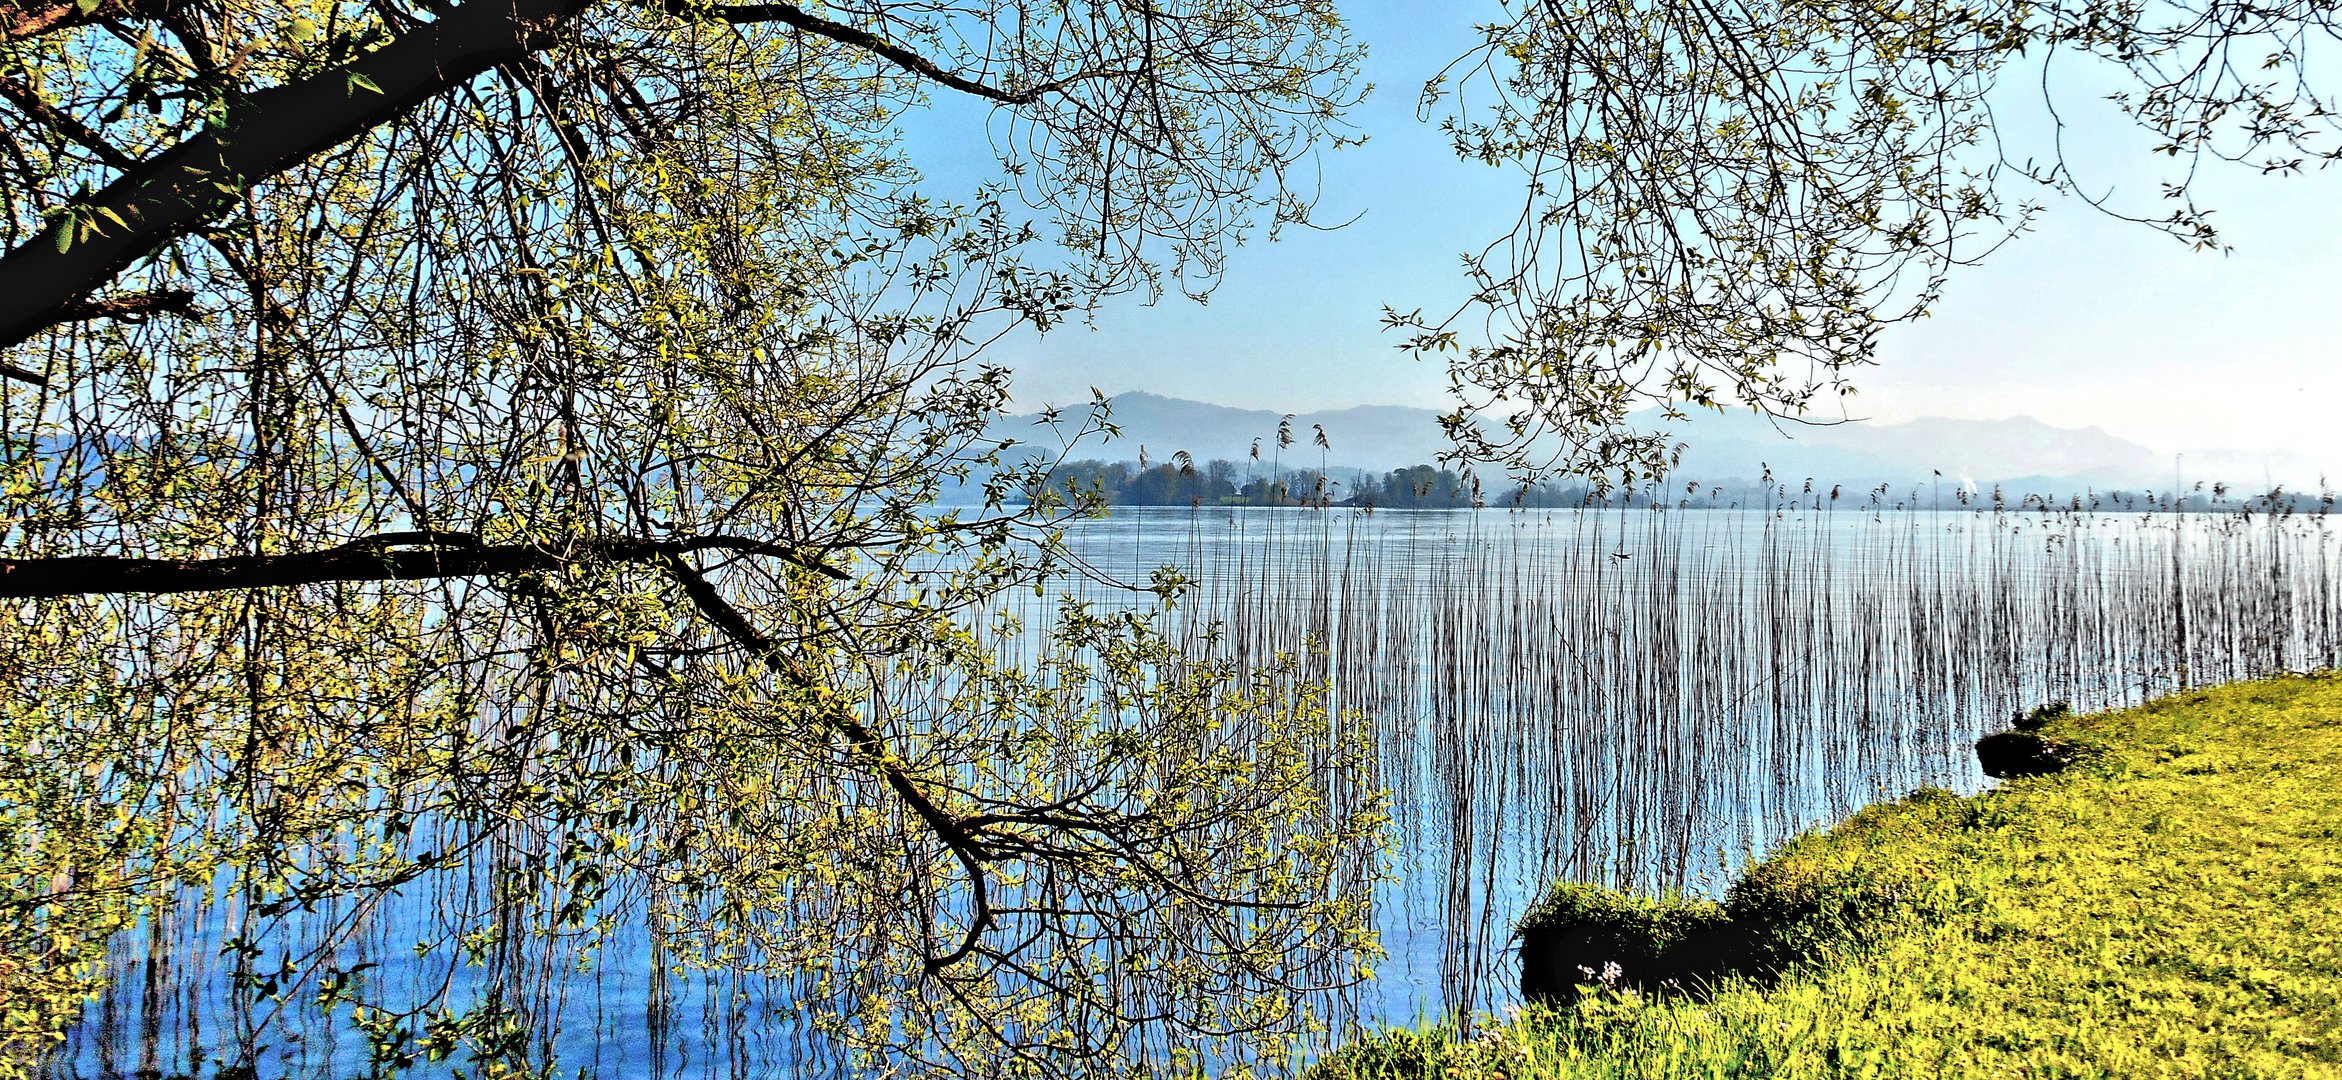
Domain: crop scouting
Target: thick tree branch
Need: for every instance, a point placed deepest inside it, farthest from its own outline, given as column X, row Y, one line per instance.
column 408, row 556
column 133, row 306
column 64, row 124
column 130, row 307
column 261, row 136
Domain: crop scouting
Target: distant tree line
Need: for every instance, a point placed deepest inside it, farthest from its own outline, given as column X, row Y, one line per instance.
column 1182, row 482
column 1808, row 494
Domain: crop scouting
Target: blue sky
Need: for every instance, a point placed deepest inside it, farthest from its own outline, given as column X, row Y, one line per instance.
column 2086, row 321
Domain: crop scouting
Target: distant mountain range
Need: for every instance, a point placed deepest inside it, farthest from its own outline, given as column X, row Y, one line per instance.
column 2019, row 453
column 1379, row 437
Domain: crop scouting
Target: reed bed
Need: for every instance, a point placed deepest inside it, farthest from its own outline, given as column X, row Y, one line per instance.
column 1650, row 698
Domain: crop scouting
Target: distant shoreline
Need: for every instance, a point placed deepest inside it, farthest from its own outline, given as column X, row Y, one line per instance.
column 1222, row 483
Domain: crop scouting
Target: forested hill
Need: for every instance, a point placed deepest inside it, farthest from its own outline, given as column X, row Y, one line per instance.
column 1373, row 437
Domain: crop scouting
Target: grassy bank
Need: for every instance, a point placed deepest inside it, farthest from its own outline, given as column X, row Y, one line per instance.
column 2169, row 905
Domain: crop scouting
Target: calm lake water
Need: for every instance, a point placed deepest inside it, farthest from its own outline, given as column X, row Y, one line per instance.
column 1649, row 700
column 1637, row 698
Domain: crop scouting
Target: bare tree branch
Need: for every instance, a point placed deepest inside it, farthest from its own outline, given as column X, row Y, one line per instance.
column 951, row 830
column 23, row 97
column 793, row 16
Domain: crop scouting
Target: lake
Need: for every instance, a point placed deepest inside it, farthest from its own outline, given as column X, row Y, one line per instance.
column 1638, row 698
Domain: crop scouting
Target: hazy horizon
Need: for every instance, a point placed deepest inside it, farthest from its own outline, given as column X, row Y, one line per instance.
column 1982, row 450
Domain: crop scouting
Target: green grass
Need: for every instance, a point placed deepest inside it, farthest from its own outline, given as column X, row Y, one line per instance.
column 2169, row 906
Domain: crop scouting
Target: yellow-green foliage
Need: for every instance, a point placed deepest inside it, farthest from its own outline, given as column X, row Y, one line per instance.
column 1661, row 920
column 1833, row 891
column 2171, row 906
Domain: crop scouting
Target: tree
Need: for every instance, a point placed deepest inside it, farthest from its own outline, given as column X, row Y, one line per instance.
column 527, row 413
column 1422, row 487
column 500, row 439
column 1220, row 478
column 1727, row 201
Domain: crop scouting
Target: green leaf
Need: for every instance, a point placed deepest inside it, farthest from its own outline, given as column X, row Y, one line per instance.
column 361, row 82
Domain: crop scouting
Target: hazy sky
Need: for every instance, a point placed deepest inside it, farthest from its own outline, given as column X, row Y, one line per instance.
column 2085, row 321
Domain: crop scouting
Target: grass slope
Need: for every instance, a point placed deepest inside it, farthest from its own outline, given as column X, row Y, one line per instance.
column 2169, row 906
